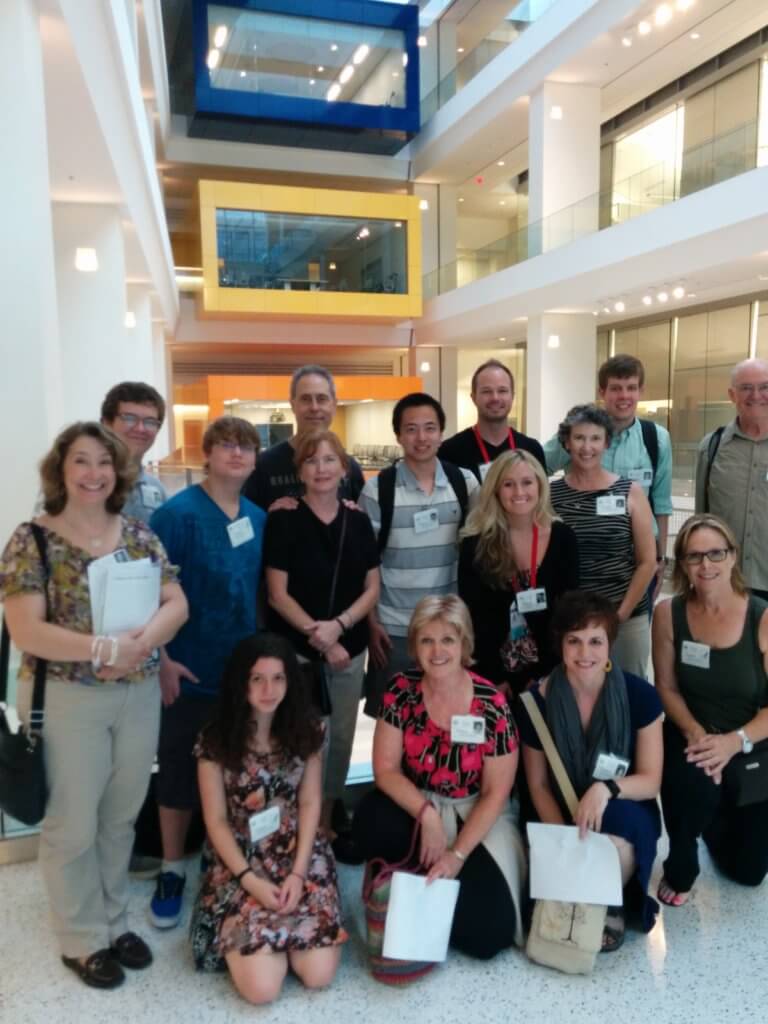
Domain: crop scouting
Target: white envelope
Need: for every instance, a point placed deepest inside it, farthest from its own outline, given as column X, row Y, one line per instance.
column 573, row 870
column 419, row 917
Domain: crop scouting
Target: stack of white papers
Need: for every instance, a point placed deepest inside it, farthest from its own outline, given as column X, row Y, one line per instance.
column 124, row 595
column 419, row 917
column 573, row 870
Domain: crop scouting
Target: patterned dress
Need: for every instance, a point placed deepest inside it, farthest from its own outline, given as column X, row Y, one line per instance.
column 226, row 918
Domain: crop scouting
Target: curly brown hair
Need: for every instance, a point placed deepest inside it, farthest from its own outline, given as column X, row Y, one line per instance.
column 52, row 466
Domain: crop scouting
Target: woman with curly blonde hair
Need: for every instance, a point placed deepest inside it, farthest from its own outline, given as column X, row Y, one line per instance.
column 516, row 559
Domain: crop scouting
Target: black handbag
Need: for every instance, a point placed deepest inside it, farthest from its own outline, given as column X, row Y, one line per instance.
column 23, row 788
column 746, row 776
column 316, row 671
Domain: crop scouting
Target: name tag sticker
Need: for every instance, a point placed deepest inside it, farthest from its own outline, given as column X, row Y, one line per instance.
column 264, row 823
column 240, row 531
column 532, row 600
column 426, row 520
column 150, row 496
column 611, row 505
column 641, row 476
column 484, row 467
column 695, row 654
column 467, row 729
column 609, row 766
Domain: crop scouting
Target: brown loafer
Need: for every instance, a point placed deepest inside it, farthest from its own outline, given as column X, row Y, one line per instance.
column 100, row 970
column 131, row 951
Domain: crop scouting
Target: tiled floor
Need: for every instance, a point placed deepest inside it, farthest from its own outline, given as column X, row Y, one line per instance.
column 703, row 963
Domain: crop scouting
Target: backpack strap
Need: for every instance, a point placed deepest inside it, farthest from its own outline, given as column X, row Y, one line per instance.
column 714, row 444
column 651, row 442
column 386, row 481
column 458, row 482
column 550, row 751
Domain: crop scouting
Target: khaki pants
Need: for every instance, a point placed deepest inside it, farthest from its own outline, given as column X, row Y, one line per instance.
column 633, row 646
column 346, row 687
column 100, row 742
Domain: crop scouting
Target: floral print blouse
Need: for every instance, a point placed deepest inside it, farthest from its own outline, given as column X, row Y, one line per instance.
column 430, row 760
column 69, row 603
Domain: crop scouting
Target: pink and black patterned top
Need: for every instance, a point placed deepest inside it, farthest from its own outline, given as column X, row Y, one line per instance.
column 430, row 760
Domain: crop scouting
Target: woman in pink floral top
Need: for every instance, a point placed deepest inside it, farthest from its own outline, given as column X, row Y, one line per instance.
column 445, row 749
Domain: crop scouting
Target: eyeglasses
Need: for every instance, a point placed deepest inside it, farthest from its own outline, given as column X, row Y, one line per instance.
column 231, row 446
column 130, row 420
column 715, row 555
column 749, row 389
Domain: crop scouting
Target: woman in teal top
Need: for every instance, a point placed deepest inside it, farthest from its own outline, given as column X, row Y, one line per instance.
column 710, row 652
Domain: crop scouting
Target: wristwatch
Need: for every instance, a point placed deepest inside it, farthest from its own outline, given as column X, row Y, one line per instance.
column 613, row 788
column 747, row 746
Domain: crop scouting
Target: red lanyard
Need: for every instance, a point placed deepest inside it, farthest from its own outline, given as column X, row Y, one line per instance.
column 534, row 554
column 484, row 450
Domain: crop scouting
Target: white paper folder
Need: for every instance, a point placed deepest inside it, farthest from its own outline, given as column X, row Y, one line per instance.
column 419, row 917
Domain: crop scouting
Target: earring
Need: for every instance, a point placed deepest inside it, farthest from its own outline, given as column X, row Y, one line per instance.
column 608, row 665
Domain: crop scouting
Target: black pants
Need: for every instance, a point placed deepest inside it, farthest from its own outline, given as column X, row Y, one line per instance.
column 485, row 917
column 693, row 806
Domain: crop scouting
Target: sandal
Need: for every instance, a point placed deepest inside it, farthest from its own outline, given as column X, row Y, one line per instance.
column 613, row 934
column 666, row 895
column 100, row 970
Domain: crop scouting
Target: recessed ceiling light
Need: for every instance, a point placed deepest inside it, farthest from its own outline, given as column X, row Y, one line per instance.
column 361, row 53
column 311, row 81
column 678, row 292
column 333, row 92
column 556, row 113
column 459, row 49
column 684, row 5
column 662, row 296
column 242, row 74
column 762, row 277
column 320, row 69
column 663, row 15
column 619, row 306
column 424, row 367
column 213, row 59
column 502, row 339
column 334, row 47
column 130, row 319
column 695, row 35
column 346, row 74
column 691, row 295
column 647, row 300
column 553, row 341
column 644, row 27
column 86, row 260
column 626, row 41
column 220, row 36
column 423, row 204
column 331, row 265
column 595, row 312
column 502, row 202
column 421, row 41
column 405, row 60
column 606, row 309
column 499, row 163
column 461, row 199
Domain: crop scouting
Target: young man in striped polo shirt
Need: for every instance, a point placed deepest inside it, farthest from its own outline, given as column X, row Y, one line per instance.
column 418, row 534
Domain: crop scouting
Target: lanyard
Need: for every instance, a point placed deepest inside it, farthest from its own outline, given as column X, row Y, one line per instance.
column 484, row 450
column 534, row 554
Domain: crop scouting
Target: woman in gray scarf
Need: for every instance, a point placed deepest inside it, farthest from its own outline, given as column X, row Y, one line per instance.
column 606, row 725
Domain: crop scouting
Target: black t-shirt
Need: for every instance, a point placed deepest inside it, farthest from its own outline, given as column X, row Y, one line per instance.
column 305, row 547
column 463, row 450
column 275, row 477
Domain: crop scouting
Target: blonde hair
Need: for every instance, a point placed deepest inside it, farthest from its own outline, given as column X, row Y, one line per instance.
column 488, row 521
column 703, row 521
column 449, row 609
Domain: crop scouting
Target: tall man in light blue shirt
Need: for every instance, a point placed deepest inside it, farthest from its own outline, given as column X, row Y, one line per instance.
column 620, row 386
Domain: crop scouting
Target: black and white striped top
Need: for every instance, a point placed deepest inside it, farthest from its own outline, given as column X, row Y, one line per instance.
column 606, row 546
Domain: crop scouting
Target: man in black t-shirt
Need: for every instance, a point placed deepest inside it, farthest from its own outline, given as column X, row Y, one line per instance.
column 274, row 484
column 493, row 391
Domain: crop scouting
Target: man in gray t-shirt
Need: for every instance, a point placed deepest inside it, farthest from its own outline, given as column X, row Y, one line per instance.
column 135, row 412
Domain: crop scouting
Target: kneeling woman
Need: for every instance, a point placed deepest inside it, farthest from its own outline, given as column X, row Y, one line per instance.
column 425, row 766
column 269, row 899
column 606, row 726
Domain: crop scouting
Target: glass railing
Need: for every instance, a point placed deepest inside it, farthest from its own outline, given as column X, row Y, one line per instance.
column 715, row 160
column 520, row 17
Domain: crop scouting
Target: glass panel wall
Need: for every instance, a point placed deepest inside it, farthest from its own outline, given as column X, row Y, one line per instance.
column 311, row 253
column 646, row 166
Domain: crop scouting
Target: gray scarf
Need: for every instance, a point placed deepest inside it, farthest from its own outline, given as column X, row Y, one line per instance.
column 608, row 731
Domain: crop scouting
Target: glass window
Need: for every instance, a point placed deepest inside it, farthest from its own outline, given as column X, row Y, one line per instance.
column 646, row 166
column 762, row 334
column 311, row 58
column 298, row 252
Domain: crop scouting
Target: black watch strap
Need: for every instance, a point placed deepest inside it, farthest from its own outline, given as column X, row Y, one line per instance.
column 613, row 788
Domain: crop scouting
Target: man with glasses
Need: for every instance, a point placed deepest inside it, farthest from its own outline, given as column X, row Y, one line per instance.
column 732, row 471
column 135, row 412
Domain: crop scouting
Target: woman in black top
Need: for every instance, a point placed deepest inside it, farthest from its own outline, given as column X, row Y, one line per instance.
column 301, row 550
column 515, row 561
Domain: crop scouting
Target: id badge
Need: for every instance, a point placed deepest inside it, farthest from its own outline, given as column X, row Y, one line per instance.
column 264, row 823
column 644, row 477
column 611, row 505
column 609, row 766
column 532, row 600
column 240, row 532
column 518, row 627
column 150, row 496
column 484, row 467
column 426, row 520
column 467, row 729
column 695, row 654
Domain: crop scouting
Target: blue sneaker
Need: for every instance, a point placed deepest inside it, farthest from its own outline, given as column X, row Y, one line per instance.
column 165, row 908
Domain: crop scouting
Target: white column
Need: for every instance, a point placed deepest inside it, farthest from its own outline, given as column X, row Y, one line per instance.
column 30, row 382
column 97, row 348
column 449, row 383
column 564, row 164
column 561, row 368
column 447, row 235
column 161, row 381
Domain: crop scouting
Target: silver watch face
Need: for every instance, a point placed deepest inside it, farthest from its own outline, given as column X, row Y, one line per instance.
column 746, row 743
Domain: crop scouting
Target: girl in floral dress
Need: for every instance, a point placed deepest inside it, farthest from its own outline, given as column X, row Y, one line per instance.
column 269, row 899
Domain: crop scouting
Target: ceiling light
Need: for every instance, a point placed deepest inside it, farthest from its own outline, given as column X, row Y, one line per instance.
column 395, row 74
column 647, row 300
column 662, row 296
column 499, row 163
column 606, row 309
column 405, row 60
column 364, row 233
column 346, row 74
column 556, row 113
column 459, row 49
column 679, row 292
column 331, row 265
column 619, row 306
column 361, row 53
column 421, row 41
column 320, row 69
column 220, row 36
column 423, row 204
column 692, row 295
column 311, row 81
column 595, row 312
column 553, row 341
column 130, row 319
column 695, row 35
column 242, row 74
column 762, row 277
column 626, row 41
column 502, row 202
column 398, row 223
column 502, row 339
column 86, row 260
column 333, row 92
column 644, row 27
column 684, row 5
column 424, row 367
column 663, row 15
column 334, row 47
column 213, row 59
column 461, row 199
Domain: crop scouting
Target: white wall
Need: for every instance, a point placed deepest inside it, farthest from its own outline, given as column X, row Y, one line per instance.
column 369, row 423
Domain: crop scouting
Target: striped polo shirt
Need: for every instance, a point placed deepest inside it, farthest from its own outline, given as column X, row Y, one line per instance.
column 413, row 564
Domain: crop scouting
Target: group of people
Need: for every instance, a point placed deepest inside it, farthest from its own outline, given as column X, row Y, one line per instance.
column 441, row 589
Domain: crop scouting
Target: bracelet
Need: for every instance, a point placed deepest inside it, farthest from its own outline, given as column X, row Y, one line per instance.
column 458, row 854
column 298, row 875
column 343, row 627
column 243, row 873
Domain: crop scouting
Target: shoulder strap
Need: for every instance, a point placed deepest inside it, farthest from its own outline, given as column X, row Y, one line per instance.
column 550, row 751
column 386, row 479
column 36, row 711
column 651, row 442
column 458, row 482
column 5, row 655
column 714, row 444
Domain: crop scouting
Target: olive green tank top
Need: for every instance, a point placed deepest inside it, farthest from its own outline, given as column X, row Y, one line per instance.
column 730, row 692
